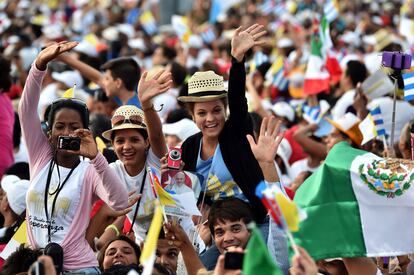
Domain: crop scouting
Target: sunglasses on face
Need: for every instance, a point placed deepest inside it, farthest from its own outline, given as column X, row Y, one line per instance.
column 133, row 119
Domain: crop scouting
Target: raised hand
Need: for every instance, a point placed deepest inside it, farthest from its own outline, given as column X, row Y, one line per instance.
column 303, row 264
column 51, row 52
column 133, row 199
column 244, row 40
column 268, row 141
column 150, row 88
column 88, row 146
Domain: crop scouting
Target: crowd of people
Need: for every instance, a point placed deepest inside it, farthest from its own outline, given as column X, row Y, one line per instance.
column 94, row 94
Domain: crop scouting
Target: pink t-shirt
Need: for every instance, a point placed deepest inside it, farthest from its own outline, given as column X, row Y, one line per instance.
column 6, row 133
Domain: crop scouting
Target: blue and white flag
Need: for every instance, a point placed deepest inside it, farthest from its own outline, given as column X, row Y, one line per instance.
column 408, row 86
column 314, row 114
column 331, row 10
column 372, row 126
column 208, row 35
column 378, row 121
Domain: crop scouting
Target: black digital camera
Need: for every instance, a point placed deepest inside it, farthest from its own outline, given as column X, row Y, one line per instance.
column 55, row 251
column 69, row 143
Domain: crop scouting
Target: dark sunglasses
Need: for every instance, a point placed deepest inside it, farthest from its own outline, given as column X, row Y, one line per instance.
column 133, row 119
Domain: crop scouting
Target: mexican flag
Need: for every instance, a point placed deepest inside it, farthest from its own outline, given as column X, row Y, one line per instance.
column 358, row 204
column 323, row 68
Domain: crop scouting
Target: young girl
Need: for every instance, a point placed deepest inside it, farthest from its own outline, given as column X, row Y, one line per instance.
column 63, row 187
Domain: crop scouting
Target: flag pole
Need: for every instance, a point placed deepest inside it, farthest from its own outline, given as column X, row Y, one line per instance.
column 285, row 227
column 384, row 140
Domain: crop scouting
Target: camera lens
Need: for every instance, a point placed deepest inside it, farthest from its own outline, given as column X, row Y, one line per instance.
column 175, row 155
column 74, row 145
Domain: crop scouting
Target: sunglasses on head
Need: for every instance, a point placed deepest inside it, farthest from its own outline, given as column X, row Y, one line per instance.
column 133, row 119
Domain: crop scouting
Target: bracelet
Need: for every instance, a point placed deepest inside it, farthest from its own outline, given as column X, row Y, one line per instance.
column 113, row 227
column 149, row 108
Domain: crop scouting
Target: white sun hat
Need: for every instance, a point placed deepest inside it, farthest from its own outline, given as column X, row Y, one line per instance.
column 182, row 129
column 15, row 190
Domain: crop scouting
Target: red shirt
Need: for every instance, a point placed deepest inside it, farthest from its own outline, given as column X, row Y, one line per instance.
column 297, row 152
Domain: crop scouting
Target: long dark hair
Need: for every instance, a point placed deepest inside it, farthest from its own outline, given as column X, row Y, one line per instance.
column 5, row 78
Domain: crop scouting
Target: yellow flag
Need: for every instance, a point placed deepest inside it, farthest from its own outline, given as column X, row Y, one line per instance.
column 150, row 244
column 100, row 143
column 91, row 38
column 69, row 93
column 290, row 212
column 164, row 197
column 19, row 238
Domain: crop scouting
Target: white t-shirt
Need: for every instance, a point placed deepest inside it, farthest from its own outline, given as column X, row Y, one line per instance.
column 146, row 205
column 343, row 103
column 300, row 166
column 66, row 203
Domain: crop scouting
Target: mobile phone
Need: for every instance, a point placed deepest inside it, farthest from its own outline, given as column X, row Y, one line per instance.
column 69, row 143
column 174, row 158
column 396, row 60
column 233, row 260
column 37, row 268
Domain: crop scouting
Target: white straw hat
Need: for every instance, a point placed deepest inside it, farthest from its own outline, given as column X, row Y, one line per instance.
column 126, row 117
column 204, row 86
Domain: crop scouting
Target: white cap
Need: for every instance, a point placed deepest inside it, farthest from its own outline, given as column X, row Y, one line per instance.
column 28, row 56
column 348, row 58
column 182, row 129
column 52, row 31
column 195, row 41
column 69, row 78
column 127, row 29
column 369, row 39
column 351, row 38
column 16, row 190
column 86, row 48
column 284, row 43
column 110, row 33
column 137, row 44
column 283, row 109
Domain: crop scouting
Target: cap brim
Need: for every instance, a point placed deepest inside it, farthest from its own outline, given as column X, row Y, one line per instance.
column 107, row 134
column 353, row 133
column 201, row 98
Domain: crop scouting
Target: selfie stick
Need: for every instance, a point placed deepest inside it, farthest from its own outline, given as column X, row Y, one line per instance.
column 412, row 140
column 394, row 102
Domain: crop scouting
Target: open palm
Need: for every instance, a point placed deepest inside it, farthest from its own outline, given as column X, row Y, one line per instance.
column 52, row 51
column 244, row 40
column 268, row 141
column 149, row 88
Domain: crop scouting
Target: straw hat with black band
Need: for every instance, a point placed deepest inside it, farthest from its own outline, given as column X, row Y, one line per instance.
column 204, row 86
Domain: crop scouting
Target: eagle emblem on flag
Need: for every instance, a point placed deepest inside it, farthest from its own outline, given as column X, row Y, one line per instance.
column 388, row 177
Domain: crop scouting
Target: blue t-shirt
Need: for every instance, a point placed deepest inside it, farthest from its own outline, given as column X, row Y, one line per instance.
column 218, row 182
column 132, row 101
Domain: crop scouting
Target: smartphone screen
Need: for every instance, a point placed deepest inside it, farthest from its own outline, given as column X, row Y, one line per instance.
column 233, row 260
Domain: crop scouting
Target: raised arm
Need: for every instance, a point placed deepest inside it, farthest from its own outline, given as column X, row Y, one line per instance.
column 242, row 41
column 37, row 144
column 88, row 71
column 147, row 90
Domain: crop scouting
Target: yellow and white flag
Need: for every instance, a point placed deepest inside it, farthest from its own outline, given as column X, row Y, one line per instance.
column 70, row 93
column 19, row 238
column 147, row 258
